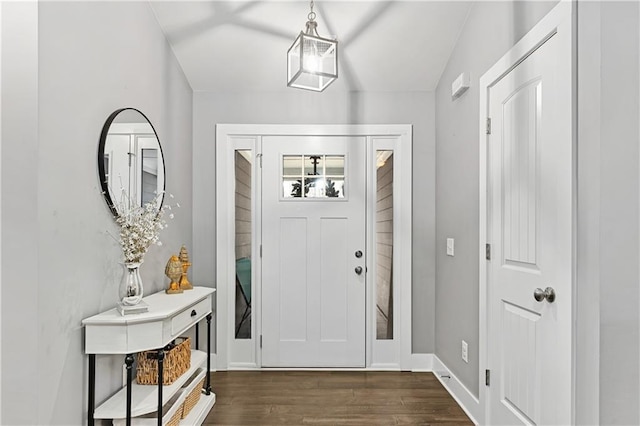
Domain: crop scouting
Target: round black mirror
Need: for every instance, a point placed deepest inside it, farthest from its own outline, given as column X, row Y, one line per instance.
column 130, row 161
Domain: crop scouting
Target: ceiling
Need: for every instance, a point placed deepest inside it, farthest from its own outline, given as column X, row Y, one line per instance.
column 242, row 45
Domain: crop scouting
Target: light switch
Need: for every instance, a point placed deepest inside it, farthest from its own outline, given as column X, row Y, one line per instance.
column 450, row 246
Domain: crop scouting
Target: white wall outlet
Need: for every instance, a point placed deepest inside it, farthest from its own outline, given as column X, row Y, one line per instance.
column 465, row 352
column 450, row 246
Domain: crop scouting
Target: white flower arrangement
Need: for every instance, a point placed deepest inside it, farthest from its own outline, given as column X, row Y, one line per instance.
column 140, row 226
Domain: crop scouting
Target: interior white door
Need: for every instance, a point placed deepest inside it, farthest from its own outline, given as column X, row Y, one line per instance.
column 530, row 220
column 313, row 300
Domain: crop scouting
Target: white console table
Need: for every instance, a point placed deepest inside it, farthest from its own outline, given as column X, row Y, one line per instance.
column 168, row 317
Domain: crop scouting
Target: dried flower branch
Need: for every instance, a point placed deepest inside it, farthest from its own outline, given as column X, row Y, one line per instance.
column 140, row 226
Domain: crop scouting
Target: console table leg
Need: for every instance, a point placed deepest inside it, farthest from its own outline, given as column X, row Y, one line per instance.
column 128, row 360
column 92, row 388
column 197, row 336
column 208, row 385
column 160, row 377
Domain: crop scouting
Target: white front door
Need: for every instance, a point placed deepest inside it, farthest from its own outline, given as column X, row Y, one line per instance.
column 530, row 219
column 313, row 215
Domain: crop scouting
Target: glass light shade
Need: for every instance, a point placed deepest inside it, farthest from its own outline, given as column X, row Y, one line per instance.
column 312, row 62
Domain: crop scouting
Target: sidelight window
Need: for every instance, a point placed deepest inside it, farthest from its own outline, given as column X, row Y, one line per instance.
column 243, row 160
column 384, row 245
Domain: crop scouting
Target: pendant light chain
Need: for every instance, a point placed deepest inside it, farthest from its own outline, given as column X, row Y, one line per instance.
column 312, row 15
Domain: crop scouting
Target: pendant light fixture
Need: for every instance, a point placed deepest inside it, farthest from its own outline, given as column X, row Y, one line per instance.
column 312, row 61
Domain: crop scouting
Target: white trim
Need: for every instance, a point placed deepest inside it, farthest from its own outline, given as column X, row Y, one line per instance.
column 380, row 367
column 541, row 32
column 0, row 213
column 225, row 133
column 225, row 243
column 213, row 359
column 242, row 366
column 422, row 362
column 469, row 403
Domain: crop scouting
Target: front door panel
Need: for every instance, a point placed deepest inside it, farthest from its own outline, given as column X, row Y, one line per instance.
column 313, row 301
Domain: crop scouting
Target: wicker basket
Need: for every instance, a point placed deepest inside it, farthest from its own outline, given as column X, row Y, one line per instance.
column 175, row 419
column 192, row 399
column 177, row 360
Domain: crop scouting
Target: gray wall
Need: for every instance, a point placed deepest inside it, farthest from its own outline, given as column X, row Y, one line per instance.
column 491, row 29
column 19, row 194
column 588, row 226
column 608, row 288
column 65, row 68
column 607, row 295
column 301, row 107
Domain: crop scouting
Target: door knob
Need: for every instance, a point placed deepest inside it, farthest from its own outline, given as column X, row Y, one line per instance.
column 358, row 270
column 358, row 254
column 548, row 293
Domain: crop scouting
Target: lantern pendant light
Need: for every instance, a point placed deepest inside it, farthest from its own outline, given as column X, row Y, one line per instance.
column 312, row 61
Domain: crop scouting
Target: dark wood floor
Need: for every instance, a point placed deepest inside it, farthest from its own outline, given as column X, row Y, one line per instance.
column 331, row 398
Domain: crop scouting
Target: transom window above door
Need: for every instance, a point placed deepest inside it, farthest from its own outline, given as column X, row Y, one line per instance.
column 313, row 176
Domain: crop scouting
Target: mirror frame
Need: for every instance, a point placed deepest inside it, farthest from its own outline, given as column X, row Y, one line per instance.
column 101, row 146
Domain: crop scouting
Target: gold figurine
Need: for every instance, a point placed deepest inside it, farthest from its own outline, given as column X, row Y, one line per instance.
column 184, row 258
column 173, row 270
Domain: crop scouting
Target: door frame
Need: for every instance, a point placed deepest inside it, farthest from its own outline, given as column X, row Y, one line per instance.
column 561, row 18
column 242, row 354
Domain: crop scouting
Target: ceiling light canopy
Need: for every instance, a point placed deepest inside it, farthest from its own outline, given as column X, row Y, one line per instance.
column 312, row 61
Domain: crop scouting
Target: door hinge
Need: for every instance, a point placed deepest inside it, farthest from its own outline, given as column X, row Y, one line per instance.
column 260, row 159
column 487, row 377
column 261, row 341
column 487, row 251
column 488, row 126
column 260, row 250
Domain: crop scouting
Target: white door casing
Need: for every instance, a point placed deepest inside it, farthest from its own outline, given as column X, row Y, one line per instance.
column 313, row 302
column 234, row 353
column 528, row 217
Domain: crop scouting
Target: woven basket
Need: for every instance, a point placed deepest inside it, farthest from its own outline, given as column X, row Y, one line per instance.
column 192, row 399
column 177, row 360
column 175, row 419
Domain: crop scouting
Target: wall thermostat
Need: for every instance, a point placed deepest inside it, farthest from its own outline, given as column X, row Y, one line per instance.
column 459, row 85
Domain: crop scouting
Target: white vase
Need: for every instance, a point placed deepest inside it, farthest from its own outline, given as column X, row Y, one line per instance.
column 131, row 291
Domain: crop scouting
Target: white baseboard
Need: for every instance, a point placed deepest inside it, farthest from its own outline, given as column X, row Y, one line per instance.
column 241, row 366
column 467, row 401
column 214, row 361
column 384, row 367
column 421, row 362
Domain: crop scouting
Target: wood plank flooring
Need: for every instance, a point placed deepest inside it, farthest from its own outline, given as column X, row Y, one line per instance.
column 331, row 398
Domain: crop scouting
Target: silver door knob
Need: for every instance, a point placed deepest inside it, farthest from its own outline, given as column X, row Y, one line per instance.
column 358, row 270
column 548, row 293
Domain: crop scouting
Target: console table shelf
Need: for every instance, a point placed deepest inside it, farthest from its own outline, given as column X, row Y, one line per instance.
column 168, row 317
column 199, row 412
column 145, row 397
